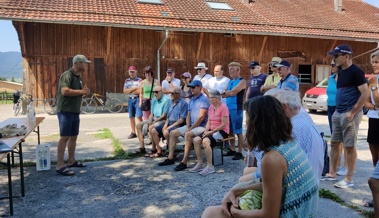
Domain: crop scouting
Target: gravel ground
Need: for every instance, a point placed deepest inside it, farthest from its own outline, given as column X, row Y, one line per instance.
column 139, row 187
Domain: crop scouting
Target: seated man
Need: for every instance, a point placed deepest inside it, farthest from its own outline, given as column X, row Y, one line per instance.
column 159, row 109
column 217, row 128
column 176, row 117
column 195, row 124
column 303, row 131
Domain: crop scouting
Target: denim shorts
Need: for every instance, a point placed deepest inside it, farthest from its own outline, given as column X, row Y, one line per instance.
column 133, row 108
column 68, row 123
column 235, row 121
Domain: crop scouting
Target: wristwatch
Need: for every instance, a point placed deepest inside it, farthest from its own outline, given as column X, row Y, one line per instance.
column 373, row 88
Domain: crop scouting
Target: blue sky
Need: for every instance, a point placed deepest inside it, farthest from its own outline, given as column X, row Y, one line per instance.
column 9, row 39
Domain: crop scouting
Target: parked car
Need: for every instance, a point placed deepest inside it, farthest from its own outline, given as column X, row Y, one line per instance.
column 315, row 98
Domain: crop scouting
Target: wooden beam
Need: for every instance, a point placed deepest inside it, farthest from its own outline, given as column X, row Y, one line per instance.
column 21, row 36
column 109, row 36
column 331, row 48
column 199, row 46
column 262, row 47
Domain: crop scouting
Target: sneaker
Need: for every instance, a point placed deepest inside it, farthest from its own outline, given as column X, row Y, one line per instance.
column 230, row 152
column 197, row 168
column 181, row 167
column 344, row 184
column 342, row 171
column 237, row 156
column 132, row 135
column 207, row 170
column 167, row 162
column 327, row 177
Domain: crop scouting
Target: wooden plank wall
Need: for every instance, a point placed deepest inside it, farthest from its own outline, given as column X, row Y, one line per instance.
column 47, row 49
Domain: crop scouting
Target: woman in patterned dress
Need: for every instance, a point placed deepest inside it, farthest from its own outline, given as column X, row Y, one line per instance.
column 288, row 185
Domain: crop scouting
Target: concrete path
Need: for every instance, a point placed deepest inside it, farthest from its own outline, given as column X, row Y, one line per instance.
column 138, row 187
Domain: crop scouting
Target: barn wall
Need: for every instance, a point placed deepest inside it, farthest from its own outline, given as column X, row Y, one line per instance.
column 48, row 49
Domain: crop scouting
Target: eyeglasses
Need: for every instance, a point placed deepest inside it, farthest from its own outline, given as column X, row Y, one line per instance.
column 337, row 55
column 198, row 68
column 210, row 97
column 332, row 65
column 252, row 68
column 173, row 93
column 156, row 92
column 183, row 77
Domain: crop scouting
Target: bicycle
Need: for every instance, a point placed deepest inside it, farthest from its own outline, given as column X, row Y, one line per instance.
column 89, row 105
column 50, row 106
column 18, row 105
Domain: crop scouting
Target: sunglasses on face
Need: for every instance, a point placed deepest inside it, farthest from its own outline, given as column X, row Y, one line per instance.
column 185, row 77
column 332, row 65
column 156, row 92
column 174, row 93
column 198, row 69
column 252, row 68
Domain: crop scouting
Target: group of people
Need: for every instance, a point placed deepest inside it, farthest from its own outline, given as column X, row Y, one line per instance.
column 287, row 148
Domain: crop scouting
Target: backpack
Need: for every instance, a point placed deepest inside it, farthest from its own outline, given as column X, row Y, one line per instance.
column 325, row 170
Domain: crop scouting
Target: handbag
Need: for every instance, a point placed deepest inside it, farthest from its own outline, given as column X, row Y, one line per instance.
column 146, row 102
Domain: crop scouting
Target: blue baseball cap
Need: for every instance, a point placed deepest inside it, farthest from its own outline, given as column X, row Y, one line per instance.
column 344, row 48
column 253, row 64
column 283, row 64
column 195, row 83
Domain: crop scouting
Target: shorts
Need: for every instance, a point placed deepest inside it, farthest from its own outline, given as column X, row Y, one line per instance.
column 375, row 174
column 144, row 125
column 373, row 131
column 133, row 108
column 235, row 121
column 68, row 123
column 215, row 137
column 197, row 131
column 345, row 131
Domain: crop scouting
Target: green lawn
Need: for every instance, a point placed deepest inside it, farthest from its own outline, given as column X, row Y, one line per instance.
column 6, row 102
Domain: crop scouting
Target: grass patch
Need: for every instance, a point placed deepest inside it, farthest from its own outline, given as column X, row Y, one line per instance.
column 323, row 193
column 118, row 151
column 6, row 102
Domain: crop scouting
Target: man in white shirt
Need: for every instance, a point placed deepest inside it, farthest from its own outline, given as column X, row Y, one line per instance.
column 219, row 82
column 201, row 73
column 170, row 82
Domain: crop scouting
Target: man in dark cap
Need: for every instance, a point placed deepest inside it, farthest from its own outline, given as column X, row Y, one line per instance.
column 352, row 91
column 256, row 80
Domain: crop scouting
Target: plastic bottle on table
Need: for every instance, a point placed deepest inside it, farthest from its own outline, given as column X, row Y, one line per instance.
column 31, row 112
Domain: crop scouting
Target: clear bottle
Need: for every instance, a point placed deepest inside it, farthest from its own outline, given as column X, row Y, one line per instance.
column 41, row 159
column 45, row 158
column 31, row 112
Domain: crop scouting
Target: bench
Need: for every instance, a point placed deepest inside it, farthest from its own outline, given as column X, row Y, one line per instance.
column 221, row 144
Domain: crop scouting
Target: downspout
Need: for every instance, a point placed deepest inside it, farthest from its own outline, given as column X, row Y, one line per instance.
column 159, row 57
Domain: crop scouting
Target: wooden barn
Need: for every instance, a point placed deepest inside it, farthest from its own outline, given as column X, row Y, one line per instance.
column 115, row 34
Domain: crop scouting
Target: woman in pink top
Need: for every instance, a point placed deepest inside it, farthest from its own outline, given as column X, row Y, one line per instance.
column 217, row 128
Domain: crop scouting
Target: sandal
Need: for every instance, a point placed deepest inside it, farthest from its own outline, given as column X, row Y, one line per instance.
column 140, row 151
column 65, row 171
column 77, row 164
column 367, row 202
column 157, row 155
column 150, row 153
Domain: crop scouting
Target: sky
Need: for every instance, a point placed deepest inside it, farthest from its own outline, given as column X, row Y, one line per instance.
column 9, row 39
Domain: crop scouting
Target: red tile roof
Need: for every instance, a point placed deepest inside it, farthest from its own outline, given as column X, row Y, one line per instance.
column 306, row 18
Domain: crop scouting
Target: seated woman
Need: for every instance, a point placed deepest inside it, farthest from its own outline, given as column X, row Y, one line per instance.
column 217, row 128
column 289, row 186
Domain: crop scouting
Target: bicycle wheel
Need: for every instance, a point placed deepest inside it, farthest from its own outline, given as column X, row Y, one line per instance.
column 50, row 106
column 114, row 105
column 89, row 106
column 17, row 108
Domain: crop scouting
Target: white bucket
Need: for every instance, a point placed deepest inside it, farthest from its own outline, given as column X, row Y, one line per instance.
column 43, row 161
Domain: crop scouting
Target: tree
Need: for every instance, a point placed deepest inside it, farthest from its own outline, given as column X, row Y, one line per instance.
column 12, row 80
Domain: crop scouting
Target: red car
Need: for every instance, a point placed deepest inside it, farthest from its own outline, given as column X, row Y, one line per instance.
column 315, row 98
